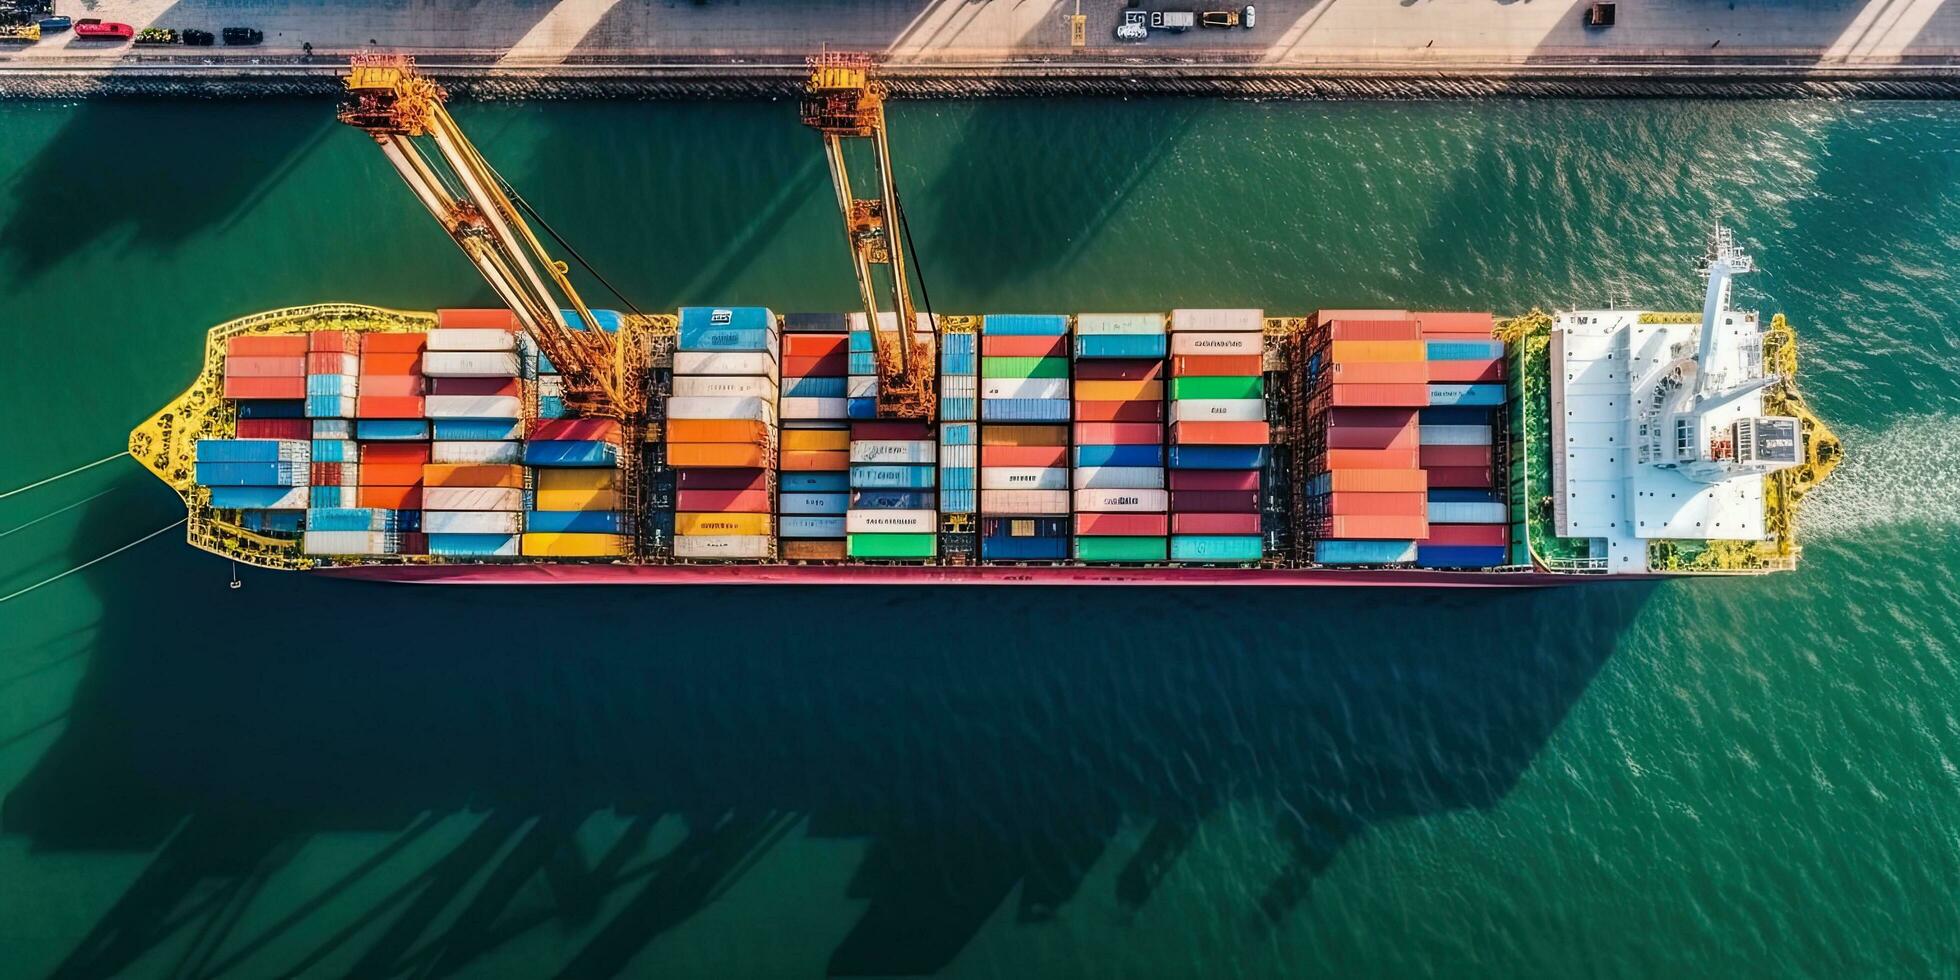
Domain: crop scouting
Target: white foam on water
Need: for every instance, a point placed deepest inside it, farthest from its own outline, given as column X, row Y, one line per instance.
column 1908, row 473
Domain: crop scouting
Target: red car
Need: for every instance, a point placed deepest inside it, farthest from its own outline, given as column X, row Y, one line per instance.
column 96, row 29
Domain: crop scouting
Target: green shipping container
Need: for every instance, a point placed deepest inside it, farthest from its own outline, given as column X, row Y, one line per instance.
column 1225, row 387
column 1110, row 548
column 1023, row 367
column 893, row 545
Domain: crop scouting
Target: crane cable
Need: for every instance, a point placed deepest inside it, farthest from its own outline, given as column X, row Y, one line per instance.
column 918, row 269
column 58, row 476
column 180, row 522
column 519, row 200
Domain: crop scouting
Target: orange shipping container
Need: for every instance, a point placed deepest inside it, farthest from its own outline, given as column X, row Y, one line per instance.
column 1467, row 372
column 815, row 344
column 332, row 342
column 1355, row 351
column 256, row 366
column 813, row 549
column 1221, row 433
column 479, row 319
column 1340, row 330
column 472, row 475
column 1151, row 411
column 386, row 362
column 391, row 474
column 393, row 343
column 1024, row 435
column 746, row 431
column 1328, row 316
column 1378, row 528
column 717, row 455
column 1043, row 456
column 815, row 461
column 1380, row 396
column 260, row 345
column 391, row 385
column 1119, row 391
column 291, row 387
column 1368, row 459
column 1384, row 372
column 390, row 498
column 1459, row 324
column 816, row 440
column 1344, row 504
column 1377, row 481
column 1217, row 365
column 388, row 407
column 395, row 452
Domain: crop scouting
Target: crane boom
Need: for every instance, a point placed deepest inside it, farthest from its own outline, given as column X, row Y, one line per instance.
column 842, row 101
column 391, row 101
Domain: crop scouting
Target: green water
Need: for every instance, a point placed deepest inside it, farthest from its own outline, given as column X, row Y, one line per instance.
column 324, row 778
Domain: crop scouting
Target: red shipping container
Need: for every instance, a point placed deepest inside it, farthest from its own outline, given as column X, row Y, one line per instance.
column 1215, row 501
column 1398, row 329
column 1473, row 477
column 1214, row 479
column 1467, row 372
column 1118, row 434
column 1125, row 525
column 1374, row 437
column 1143, row 411
column 1463, row 324
column 1366, row 459
column 390, row 474
column 238, row 387
column 1410, row 395
column 1376, row 504
column 265, row 367
column 816, row 365
column 1118, row 369
column 395, row 452
column 1023, row 455
column 332, row 342
column 1435, row 456
column 1409, row 480
column 1383, row 372
column 390, row 385
column 1217, row 365
column 732, row 479
column 574, row 430
column 815, row 345
column 1372, row 417
column 880, row 431
column 722, row 501
column 1056, row 346
column 475, row 386
column 415, row 542
column 1215, row 524
column 388, row 407
column 1378, row 528
column 1328, row 316
column 1221, row 433
column 327, row 474
column 389, row 497
column 498, row 319
column 393, row 343
column 259, row 345
column 1469, row 535
column 390, row 363
column 275, row 428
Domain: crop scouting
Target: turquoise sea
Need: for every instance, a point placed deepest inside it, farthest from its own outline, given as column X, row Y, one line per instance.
column 317, row 778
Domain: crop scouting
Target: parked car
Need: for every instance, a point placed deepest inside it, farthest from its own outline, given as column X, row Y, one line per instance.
column 1220, row 18
column 97, row 29
column 1172, row 20
column 199, row 39
column 156, row 35
column 55, row 25
column 243, row 35
column 1132, row 28
column 1247, row 19
column 20, row 33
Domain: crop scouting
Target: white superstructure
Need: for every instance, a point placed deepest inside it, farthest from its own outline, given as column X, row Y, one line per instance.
column 1658, row 426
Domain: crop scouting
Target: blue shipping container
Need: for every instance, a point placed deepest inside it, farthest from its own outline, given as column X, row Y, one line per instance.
column 329, row 384
column 814, row 386
column 1455, row 395
column 806, row 526
column 1217, row 457
column 395, row 429
column 891, row 500
column 1025, row 409
column 815, row 482
column 1024, row 324
column 861, row 364
column 1119, row 455
column 1464, row 350
column 1024, row 549
column 281, row 474
column 251, row 450
column 572, row 521
column 1461, row 556
column 958, row 409
column 609, row 320
column 861, row 408
column 966, row 434
column 727, row 328
column 479, row 430
column 570, row 452
column 256, row 498
column 330, row 406
column 802, row 502
column 553, row 407
column 272, row 408
column 1217, row 547
column 1122, row 345
column 351, row 519
column 964, row 500
column 1455, row 415
column 1336, row 551
column 891, row 476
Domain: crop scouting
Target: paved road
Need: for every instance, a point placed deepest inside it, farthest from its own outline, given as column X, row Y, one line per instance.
column 1288, row 32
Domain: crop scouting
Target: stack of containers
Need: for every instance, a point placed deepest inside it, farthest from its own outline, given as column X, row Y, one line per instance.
column 1469, row 523
column 473, row 487
column 1121, row 500
column 263, row 479
column 721, row 433
column 266, row 376
column 959, row 442
column 892, row 512
column 332, row 379
column 1366, row 488
column 1218, row 435
column 1024, row 437
column 392, row 431
column 814, row 490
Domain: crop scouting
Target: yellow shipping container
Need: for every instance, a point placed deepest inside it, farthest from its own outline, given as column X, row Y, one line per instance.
column 698, row 523
column 1023, row 435
column 577, row 478
column 1378, row 351
column 551, row 544
column 577, row 500
column 1119, row 391
column 816, row 440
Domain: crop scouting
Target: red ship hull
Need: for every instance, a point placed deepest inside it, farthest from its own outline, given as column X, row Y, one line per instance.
column 543, row 573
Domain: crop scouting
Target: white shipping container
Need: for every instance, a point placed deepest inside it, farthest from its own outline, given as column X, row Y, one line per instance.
column 893, row 451
column 1122, row 501
column 1218, row 321
column 1236, row 344
column 749, row 363
column 295, row 498
column 1105, row 324
column 472, row 339
column 473, row 406
column 1024, row 478
column 1048, row 388
column 958, row 386
column 473, row 498
column 333, row 429
column 703, row 407
column 1443, row 512
column 1119, row 477
column 348, row 543
column 448, row 451
column 1218, row 410
column 472, row 522
column 724, row 545
column 861, row 386
column 958, row 457
column 798, row 407
column 725, row 386
column 1456, row 435
column 1002, row 502
column 891, row 521
column 469, row 364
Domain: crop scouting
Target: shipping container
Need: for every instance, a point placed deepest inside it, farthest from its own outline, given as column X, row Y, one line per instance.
column 1221, row 457
column 388, row 407
column 1340, row 526
column 472, row 475
column 470, row 364
column 1121, row 549
column 894, row 546
column 1366, row 329
column 1458, row 556
column 1024, row 548
column 1363, row 552
column 1023, row 346
column 890, row 499
column 1119, row 324
column 697, row 407
column 1206, row 410
column 574, row 453
column 1464, row 349
column 1467, row 394
column 1189, row 434
column 393, row 497
column 813, row 503
column 1124, row 369
column 1218, row 321
column 874, row 475
column 1029, row 501
column 1024, row 367
column 349, row 543
column 476, row 319
column 801, row 461
column 261, row 345
column 1216, row 479
column 393, row 343
column 473, row 406
column 1214, row 387
column 1217, row 365
column 1215, row 501
column 282, row 497
column 1467, row 372
column 1024, row 388
column 724, row 501
column 814, row 550
column 276, row 428
column 1381, row 373
column 1123, row 346
column 1024, row 409
column 921, row 451
column 475, row 545
column 1235, row 345
column 252, row 450
column 1200, row 523
column 1024, row 478
column 477, row 430
column 892, row 522
column 722, row 362
column 725, row 547
column 1024, row 324
column 1115, row 501
column 807, row 482
column 1217, row 548
column 1364, row 395
column 1131, row 455
column 573, row 521
column 556, row 544
column 467, row 522
column 699, row 523
column 1031, row 435
column 1119, row 391
column 509, row 499
column 1454, row 435
column 1362, row 504
column 714, row 430
column 476, row 452
column 1442, row 456
column 1023, row 456
column 810, row 526
column 1118, row 477
column 290, row 473
column 1122, row 523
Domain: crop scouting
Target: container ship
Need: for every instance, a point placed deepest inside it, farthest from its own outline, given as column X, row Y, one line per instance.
column 548, row 442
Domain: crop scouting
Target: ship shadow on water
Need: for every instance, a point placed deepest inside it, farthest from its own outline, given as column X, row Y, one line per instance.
column 984, row 747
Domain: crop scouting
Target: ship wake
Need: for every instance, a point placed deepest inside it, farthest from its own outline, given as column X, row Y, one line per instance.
column 1901, row 475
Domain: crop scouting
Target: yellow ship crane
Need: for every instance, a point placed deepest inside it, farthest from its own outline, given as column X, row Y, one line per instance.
column 388, row 99
column 843, row 101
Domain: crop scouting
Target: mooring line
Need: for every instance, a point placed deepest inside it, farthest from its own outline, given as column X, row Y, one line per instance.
column 57, row 512
column 58, row 476
column 99, row 558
